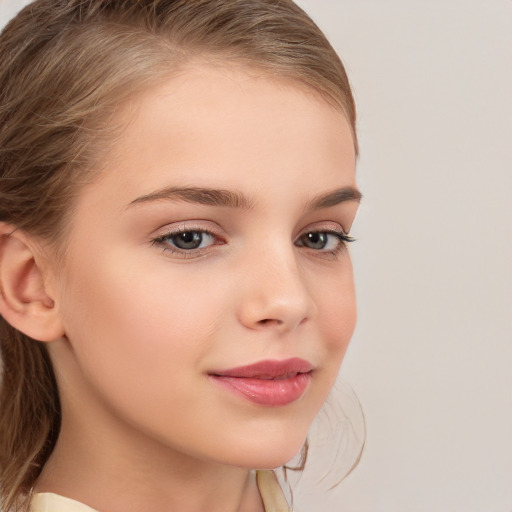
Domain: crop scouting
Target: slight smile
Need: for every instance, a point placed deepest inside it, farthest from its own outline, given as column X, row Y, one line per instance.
column 270, row 383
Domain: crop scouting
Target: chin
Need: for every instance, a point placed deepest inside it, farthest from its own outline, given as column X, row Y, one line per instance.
column 270, row 451
column 266, row 461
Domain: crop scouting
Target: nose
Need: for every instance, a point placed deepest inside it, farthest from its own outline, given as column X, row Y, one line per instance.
column 274, row 293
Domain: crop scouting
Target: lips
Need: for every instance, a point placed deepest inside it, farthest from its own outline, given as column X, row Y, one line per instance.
column 270, row 383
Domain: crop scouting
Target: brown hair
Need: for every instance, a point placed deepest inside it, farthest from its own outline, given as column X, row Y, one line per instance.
column 65, row 68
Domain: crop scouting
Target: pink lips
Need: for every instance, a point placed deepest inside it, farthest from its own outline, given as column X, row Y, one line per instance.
column 270, row 383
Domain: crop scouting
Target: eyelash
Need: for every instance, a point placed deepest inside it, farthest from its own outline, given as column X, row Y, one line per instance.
column 342, row 238
column 162, row 241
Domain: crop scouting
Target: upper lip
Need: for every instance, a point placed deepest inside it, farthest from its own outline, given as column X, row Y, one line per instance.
column 268, row 369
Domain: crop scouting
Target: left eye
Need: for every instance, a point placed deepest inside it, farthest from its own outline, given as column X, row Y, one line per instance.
column 322, row 240
column 187, row 240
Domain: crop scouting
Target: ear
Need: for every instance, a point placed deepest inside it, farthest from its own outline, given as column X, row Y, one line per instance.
column 25, row 302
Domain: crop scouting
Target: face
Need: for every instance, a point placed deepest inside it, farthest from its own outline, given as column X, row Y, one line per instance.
column 208, row 296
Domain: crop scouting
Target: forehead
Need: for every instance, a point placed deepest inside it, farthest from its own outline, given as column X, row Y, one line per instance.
column 231, row 126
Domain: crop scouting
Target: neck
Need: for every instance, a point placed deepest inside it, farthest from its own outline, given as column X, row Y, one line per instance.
column 116, row 469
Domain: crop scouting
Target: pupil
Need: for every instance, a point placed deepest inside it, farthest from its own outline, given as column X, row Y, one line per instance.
column 316, row 240
column 188, row 240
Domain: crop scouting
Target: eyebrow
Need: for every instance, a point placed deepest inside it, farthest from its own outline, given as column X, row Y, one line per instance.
column 198, row 195
column 334, row 197
column 233, row 199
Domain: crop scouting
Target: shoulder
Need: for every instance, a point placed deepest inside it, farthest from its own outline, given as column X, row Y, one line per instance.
column 48, row 502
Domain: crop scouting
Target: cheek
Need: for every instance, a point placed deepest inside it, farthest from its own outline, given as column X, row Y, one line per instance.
column 337, row 314
column 136, row 327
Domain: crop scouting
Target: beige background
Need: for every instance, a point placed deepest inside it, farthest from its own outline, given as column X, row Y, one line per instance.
column 431, row 359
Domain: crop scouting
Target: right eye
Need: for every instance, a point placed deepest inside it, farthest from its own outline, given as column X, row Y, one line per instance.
column 185, row 241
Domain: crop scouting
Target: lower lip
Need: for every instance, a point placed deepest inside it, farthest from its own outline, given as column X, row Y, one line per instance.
column 271, row 393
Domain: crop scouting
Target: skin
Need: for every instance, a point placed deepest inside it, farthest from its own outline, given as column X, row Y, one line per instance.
column 144, row 427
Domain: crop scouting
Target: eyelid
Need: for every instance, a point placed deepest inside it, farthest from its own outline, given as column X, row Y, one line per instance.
column 202, row 226
column 325, row 226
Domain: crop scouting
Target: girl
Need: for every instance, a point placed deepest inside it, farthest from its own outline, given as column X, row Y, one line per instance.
column 176, row 194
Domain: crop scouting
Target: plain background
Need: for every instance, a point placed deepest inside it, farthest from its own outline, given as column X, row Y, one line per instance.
column 431, row 359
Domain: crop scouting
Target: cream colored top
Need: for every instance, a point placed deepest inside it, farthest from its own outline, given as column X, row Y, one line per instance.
column 270, row 491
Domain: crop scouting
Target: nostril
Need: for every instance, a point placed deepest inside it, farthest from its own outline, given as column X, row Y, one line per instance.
column 267, row 321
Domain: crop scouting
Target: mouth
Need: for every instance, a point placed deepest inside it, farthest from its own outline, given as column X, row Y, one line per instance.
column 269, row 383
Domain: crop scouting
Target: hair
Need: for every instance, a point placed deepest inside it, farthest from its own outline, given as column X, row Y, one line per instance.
column 66, row 68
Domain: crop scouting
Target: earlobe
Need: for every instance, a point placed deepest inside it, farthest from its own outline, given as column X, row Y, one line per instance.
column 25, row 302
